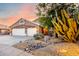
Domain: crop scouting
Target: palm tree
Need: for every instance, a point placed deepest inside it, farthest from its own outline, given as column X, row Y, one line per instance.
column 47, row 11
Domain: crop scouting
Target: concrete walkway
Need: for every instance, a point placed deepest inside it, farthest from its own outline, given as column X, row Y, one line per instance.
column 6, row 50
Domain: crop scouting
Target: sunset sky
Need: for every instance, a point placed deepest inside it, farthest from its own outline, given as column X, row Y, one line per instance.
column 10, row 13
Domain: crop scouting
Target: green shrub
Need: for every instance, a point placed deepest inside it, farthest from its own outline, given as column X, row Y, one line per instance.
column 38, row 36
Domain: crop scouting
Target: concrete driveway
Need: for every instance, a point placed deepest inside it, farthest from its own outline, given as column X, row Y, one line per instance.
column 6, row 50
column 11, row 40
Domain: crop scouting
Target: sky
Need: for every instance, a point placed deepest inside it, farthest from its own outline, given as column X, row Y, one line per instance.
column 12, row 12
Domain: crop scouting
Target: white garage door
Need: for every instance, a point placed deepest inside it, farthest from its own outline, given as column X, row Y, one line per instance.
column 31, row 31
column 19, row 32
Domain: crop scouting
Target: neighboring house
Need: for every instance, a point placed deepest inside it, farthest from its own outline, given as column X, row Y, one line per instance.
column 24, row 27
column 4, row 29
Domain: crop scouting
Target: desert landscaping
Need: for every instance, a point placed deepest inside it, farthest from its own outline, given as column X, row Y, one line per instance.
column 55, row 32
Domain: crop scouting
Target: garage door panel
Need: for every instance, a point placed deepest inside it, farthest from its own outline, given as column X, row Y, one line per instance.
column 20, row 31
column 31, row 31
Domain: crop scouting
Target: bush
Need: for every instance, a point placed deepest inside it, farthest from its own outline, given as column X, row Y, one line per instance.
column 38, row 36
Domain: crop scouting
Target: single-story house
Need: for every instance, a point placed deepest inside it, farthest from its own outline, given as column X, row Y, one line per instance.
column 24, row 27
column 4, row 29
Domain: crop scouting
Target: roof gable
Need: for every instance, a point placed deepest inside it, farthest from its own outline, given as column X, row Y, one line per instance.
column 23, row 22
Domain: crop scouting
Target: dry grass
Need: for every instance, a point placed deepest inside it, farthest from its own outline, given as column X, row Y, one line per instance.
column 21, row 46
column 57, row 49
column 67, row 49
column 44, row 52
column 24, row 45
column 55, row 40
column 60, row 49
